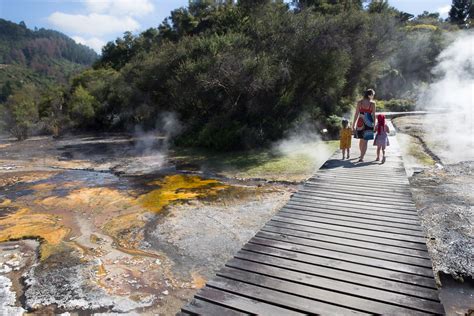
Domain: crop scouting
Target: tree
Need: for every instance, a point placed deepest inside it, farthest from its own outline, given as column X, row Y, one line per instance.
column 82, row 107
column 20, row 112
column 117, row 54
column 428, row 15
column 239, row 74
column 379, row 6
column 461, row 11
column 52, row 111
column 329, row 6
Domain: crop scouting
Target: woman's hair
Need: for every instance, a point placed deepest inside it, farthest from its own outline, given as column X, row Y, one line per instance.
column 380, row 122
column 344, row 123
column 368, row 93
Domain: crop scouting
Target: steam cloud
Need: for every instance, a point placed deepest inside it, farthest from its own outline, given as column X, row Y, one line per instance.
column 153, row 146
column 304, row 140
column 452, row 94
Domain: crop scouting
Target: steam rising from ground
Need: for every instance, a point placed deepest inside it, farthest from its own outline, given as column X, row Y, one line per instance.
column 452, row 133
column 153, row 145
column 304, row 140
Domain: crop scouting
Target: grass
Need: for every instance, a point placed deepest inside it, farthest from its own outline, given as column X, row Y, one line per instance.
column 414, row 151
column 294, row 164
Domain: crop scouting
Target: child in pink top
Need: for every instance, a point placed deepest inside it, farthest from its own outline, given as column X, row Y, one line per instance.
column 381, row 138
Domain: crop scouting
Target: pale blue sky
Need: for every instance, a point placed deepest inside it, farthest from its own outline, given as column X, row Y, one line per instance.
column 95, row 22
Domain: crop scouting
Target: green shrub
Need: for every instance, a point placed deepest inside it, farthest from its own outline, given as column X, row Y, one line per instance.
column 381, row 106
column 399, row 105
column 333, row 125
column 20, row 113
column 219, row 137
column 421, row 27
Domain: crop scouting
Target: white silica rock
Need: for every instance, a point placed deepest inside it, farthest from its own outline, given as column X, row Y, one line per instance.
column 7, row 299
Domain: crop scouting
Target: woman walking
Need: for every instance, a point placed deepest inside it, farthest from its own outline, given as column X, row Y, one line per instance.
column 364, row 118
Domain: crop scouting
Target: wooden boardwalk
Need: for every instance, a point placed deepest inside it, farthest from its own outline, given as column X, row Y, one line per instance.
column 348, row 242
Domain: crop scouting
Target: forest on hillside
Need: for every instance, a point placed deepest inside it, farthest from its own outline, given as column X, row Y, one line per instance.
column 33, row 63
column 240, row 74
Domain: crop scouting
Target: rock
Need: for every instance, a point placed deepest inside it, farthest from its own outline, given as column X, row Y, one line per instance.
column 9, row 248
column 13, row 263
column 165, row 292
column 158, row 261
column 69, row 288
column 5, row 269
column 7, row 299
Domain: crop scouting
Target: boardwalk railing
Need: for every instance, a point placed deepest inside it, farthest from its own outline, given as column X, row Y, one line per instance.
column 349, row 242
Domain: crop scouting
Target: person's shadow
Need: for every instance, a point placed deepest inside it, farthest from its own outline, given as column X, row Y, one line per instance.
column 350, row 163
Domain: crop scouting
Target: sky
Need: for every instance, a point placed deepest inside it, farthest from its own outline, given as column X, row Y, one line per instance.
column 95, row 22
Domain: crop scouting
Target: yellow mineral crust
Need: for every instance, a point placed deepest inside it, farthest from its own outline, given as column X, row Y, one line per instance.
column 118, row 214
column 25, row 177
column 25, row 224
column 5, row 202
column 89, row 199
column 198, row 281
column 179, row 187
column 127, row 229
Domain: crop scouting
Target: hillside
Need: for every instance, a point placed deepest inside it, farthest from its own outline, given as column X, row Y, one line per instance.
column 42, row 57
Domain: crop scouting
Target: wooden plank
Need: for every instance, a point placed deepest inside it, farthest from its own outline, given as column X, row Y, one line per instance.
column 314, row 293
column 390, row 175
column 344, row 228
column 352, row 200
column 354, row 177
column 373, row 171
column 243, row 258
column 357, row 181
column 344, row 265
column 241, row 303
column 403, row 191
column 350, row 189
column 329, row 192
column 408, row 234
column 336, row 163
column 361, row 186
column 348, row 199
column 342, row 256
column 301, row 203
column 395, row 168
column 360, row 208
column 370, row 253
column 365, row 205
column 379, row 174
column 200, row 307
column 294, row 302
column 354, row 213
column 332, row 287
column 330, row 231
column 315, row 202
column 356, row 244
column 353, row 219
